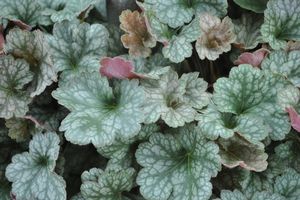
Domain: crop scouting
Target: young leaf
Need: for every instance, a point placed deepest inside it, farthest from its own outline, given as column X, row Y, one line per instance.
column 284, row 63
column 106, row 185
column 32, row 173
column 177, row 167
column 14, row 76
column 295, row 118
column 247, row 30
column 216, row 37
column 237, row 151
column 257, row 6
column 31, row 46
column 170, row 99
column 117, row 67
column 281, row 22
column 176, row 13
column 89, row 44
column 26, row 11
column 137, row 38
column 250, row 91
column 99, row 113
column 255, row 59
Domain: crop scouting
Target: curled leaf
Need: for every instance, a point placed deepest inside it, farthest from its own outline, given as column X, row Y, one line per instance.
column 295, row 118
column 137, row 38
column 117, row 67
column 237, row 151
column 216, row 38
column 254, row 59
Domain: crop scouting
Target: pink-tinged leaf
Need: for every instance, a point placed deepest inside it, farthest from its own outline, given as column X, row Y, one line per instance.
column 118, row 67
column 21, row 24
column 2, row 40
column 255, row 59
column 295, row 118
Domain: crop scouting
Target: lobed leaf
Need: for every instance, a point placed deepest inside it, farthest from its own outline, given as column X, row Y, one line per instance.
column 32, row 173
column 100, row 114
column 177, row 166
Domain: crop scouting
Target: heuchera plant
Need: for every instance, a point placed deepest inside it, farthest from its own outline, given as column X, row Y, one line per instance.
column 149, row 100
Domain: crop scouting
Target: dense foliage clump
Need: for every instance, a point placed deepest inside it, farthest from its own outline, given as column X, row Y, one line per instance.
column 149, row 100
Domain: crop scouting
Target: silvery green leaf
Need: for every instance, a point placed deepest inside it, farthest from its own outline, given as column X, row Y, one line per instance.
column 14, row 75
column 176, row 13
column 274, row 117
column 72, row 9
column 99, row 113
column 27, row 11
column 120, row 153
column 238, row 195
column 251, row 92
column 31, row 46
column 247, row 30
column 180, row 47
column 286, row 156
column 32, row 173
column 286, row 64
column 106, row 185
column 160, row 31
column 236, row 151
column 177, row 167
column 215, row 124
column 195, row 90
column 288, row 184
column 165, row 101
column 77, row 197
column 88, row 44
column 288, row 97
column 257, row 6
column 246, row 87
column 281, row 22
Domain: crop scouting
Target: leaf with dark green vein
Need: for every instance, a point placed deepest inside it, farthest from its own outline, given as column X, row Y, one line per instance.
column 177, row 167
column 89, row 44
column 31, row 46
column 32, row 173
column 14, row 76
column 99, row 113
column 250, row 91
column 106, row 185
column 281, row 22
column 286, row 64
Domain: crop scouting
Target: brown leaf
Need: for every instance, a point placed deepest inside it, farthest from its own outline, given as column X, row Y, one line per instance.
column 216, row 38
column 137, row 38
